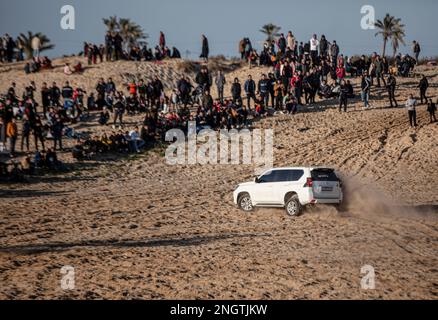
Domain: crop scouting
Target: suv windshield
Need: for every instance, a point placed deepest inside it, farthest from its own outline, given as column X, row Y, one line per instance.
column 324, row 175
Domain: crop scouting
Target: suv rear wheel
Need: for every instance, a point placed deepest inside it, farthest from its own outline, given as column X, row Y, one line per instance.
column 245, row 202
column 293, row 206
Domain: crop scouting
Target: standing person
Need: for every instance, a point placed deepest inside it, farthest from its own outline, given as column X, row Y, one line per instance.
column 323, row 46
column 412, row 113
column 242, row 44
column 57, row 129
column 119, row 110
column 291, row 41
column 220, row 84
column 36, row 46
column 263, row 89
column 282, row 43
column 250, row 89
column 55, row 94
column 431, row 108
column 236, row 91
column 205, row 48
column 37, row 127
column 109, row 46
column 365, row 89
column 162, row 41
column 334, row 52
column 279, row 90
column 25, row 132
column 390, row 86
column 416, row 50
column 379, row 69
column 271, row 84
column 45, row 97
column 203, row 79
column 12, row 134
column 423, row 85
column 343, row 93
column 314, row 44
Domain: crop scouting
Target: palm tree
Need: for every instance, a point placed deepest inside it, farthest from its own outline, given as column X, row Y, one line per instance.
column 271, row 31
column 26, row 42
column 390, row 29
column 130, row 32
column 112, row 24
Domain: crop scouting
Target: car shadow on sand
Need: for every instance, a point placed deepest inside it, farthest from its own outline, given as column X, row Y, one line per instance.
column 126, row 243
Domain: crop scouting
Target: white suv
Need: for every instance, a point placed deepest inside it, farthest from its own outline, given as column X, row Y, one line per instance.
column 291, row 188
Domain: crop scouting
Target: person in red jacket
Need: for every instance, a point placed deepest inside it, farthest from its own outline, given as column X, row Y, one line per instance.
column 162, row 42
column 340, row 73
column 132, row 87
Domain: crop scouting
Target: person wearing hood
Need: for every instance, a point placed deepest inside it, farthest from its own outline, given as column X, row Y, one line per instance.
column 205, row 48
column 323, row 46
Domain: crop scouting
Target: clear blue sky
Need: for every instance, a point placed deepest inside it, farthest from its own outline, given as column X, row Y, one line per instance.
column 224, row 22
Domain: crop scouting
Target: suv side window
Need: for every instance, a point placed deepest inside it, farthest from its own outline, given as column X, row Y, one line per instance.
column 281, row 176
column 289, row 175
column 268, row 177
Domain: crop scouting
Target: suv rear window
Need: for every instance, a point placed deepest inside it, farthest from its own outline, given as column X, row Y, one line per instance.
column 324, row 175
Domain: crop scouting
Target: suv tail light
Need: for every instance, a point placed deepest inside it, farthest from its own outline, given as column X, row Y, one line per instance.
column 309, row 183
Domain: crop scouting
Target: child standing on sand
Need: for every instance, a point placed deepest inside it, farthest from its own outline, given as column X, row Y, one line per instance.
column 410, row 105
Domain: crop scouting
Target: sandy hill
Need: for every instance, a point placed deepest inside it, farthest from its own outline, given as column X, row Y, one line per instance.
column 138, row 228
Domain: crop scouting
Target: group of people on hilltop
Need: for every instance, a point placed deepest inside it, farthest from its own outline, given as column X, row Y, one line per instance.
column 115, row 49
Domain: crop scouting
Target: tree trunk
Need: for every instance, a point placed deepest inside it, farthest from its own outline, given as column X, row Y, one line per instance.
column 28, row 52
column 384, row 47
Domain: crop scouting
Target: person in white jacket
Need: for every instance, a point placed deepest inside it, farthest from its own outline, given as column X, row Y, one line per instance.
column 314, row 44
column 36, row 46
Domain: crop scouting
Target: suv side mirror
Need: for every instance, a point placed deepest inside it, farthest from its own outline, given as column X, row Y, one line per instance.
column 256, row 180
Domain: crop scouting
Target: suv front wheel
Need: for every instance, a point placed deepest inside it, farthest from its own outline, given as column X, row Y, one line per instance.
column 245, row 202
column 293, row 206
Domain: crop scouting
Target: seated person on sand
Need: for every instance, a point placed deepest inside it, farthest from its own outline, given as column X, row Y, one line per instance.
column 46, row 63
column 77, row 68
column 67, row 70
column 326, row 91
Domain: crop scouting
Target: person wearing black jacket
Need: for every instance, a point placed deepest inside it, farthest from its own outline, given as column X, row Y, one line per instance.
column 57, row 128
column 236, row 90
column 343, row 96
column 390, row 86
column 323, row 46
column 250, row 89
column 431, row 108
column 205, row 48
column 55, row 94
column 119, row 110
column 45, row 97
column 203, row 79
column 184, row 88
column 423, row 85
column 67, row 91
column 37, row 128
column 263, row 89
column 25, row 132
